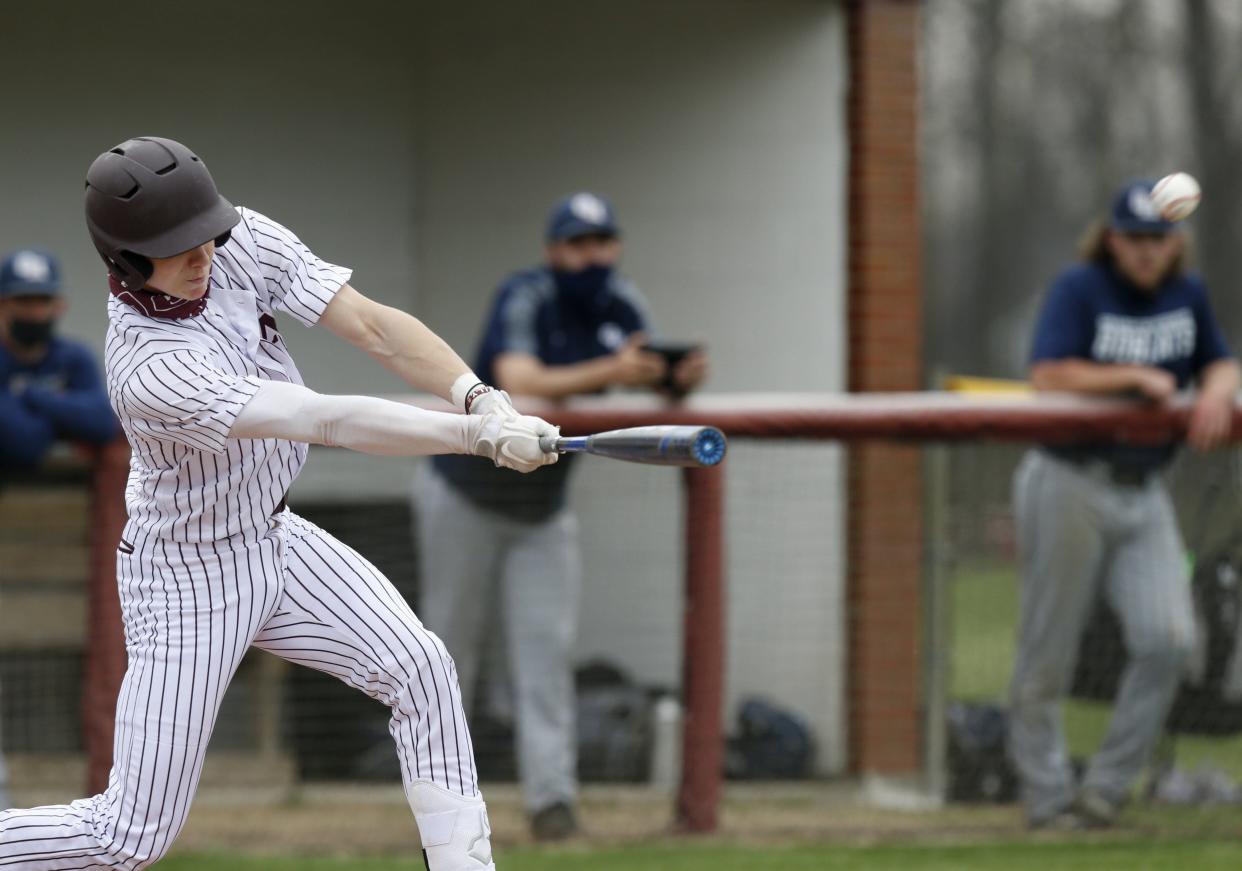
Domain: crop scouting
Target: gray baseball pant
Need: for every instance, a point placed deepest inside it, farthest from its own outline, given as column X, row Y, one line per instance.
column 1080, row 534
column 474, row 560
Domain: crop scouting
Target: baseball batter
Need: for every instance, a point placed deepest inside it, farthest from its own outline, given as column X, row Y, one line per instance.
column 211, row 560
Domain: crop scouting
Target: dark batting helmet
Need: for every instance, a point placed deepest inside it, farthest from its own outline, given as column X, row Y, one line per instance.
column 152, row 197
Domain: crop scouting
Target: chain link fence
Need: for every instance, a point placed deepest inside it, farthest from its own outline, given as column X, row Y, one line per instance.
column 1199, row 760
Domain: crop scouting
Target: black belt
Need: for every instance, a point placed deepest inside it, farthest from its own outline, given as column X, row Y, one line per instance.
column 1129, row 476
column 1126, row 476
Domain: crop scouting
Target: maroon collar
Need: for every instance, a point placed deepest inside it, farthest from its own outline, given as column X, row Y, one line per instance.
column 157, row 304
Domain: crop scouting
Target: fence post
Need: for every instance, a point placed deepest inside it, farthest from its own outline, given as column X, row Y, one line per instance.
column 698, row 798
column 937, row 637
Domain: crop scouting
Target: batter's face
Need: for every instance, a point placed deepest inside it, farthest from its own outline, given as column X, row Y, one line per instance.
column 580, row 252
column 185, row 275
column 1145, row 258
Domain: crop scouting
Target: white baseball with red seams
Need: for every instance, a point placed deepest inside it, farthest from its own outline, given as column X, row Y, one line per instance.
column 1176, row 196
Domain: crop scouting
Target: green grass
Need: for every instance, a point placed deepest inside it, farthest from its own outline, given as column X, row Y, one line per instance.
column 1036, row 856
column 985, row 609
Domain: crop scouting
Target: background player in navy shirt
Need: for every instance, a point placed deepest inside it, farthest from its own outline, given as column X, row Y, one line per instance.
column 1097, row 519
column 50, row 387
column 570, row 326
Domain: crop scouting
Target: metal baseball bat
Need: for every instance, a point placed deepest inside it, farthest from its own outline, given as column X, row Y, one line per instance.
column 655, row 445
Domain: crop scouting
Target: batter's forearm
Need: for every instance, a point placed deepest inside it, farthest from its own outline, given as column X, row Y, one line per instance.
column 359, row 423
column 405, row 346
column 396, row 340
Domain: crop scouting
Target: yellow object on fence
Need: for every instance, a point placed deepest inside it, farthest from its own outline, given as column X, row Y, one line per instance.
column 972, row 384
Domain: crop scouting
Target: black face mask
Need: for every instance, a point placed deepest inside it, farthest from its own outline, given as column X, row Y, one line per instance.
column 586, row 290
column 30, row 334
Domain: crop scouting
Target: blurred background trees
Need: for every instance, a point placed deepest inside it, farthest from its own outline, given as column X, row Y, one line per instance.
column 1035, row 112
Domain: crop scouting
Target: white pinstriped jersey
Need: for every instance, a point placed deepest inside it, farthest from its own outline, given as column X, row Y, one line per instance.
column 178, row 385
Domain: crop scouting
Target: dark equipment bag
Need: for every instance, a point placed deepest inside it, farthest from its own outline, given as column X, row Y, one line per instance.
column 979, row 769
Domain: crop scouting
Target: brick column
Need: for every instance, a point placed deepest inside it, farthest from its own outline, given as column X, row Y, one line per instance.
column 885, row 525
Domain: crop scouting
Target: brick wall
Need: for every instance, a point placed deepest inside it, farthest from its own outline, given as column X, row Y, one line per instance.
column 885, row 526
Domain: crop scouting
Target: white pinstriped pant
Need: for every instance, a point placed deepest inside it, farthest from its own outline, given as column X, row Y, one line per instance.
column 191, row 611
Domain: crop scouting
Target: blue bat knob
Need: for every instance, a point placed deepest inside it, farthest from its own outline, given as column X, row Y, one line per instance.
column 709, row 446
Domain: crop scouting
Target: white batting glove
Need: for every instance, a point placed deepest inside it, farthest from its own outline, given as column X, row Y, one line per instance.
column 511, row 442
column 493, row 402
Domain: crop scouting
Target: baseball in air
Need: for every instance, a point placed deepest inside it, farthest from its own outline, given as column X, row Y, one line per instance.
column 1176, row 196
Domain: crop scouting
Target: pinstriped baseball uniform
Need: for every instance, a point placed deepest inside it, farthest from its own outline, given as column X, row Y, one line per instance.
column 211, row 562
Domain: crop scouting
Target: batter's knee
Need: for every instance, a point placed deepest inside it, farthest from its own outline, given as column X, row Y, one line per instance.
column 425, row 663
column 436, row 652
column 437, row 649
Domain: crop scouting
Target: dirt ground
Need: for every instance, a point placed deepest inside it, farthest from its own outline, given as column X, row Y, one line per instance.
column 349, row 820
column 252, row 809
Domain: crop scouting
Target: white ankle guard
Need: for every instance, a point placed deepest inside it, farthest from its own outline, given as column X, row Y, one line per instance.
column 454, row 830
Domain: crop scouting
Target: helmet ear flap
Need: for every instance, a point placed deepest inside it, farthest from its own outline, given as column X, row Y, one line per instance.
column 224, row 237
column 132, row 270
column 139, row 264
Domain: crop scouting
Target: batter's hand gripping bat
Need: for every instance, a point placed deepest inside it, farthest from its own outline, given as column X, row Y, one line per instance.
column 656, row 445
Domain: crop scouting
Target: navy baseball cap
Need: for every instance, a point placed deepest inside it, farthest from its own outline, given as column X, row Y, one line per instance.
column 1134, row 212
column 582, row 214
column 29, row 272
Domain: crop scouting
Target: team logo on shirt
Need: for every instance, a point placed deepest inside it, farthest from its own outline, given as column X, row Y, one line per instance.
column 611, row 336
column 1144, row 341
column 54, row 382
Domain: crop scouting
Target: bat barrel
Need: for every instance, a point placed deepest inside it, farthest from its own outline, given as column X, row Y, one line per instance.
column 660, row 445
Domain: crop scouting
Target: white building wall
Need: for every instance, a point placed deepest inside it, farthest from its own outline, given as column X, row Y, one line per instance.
column 423, row 143
column 717, row 128
column 300, row 112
